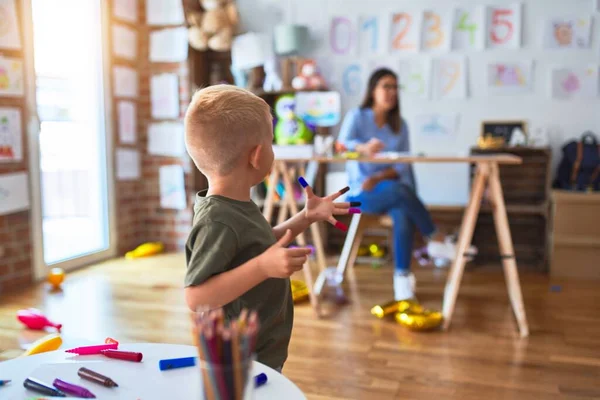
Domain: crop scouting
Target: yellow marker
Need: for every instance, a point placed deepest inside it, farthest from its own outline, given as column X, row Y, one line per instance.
column 47, row 343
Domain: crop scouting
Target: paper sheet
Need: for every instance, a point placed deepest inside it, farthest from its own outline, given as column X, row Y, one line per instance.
column 436, row 30
column 504, row 26
column 164, row 12
column 125, row 82
column 124, row 42
column 250, row 50
column 405, row 29
column 343, row 35
column 164, row 92
column 468, row 32
column 510, row 78
column 319, row 108
column 11, row 77
column 166, row 139
column 14, row 193
column 127, row 10
column 169, row 45
column 568, row 33
column 372, row 34
column 351, row 78
column 437, row 125
column 127, row 122
column 415, row 78
column 450, row 78
column 9, row 26
column 575, row 82
column 172, row 187
column 128, row 164
column 11, row 135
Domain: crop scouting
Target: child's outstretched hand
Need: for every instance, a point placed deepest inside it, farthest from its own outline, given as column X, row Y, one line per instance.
column 280, row 262
column 324, row 208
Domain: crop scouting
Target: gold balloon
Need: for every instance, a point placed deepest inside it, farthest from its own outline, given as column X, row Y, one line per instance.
column 299, row 291
column 419, row 319
column 381, row 311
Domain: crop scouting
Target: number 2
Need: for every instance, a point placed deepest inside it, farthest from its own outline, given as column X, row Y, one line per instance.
column 435, row 28
column 498, row 21
column 397, row 42
column 464, row 26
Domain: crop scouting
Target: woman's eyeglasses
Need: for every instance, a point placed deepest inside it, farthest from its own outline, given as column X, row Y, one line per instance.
column 391, row 87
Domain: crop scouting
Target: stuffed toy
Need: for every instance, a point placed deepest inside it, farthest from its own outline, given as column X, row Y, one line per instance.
column 309, row 78
column 289, row 129
column 214, row 27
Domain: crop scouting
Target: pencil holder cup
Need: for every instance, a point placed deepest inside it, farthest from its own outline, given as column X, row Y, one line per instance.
column 227, row 381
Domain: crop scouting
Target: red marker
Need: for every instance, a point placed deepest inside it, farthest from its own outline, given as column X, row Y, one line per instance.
column 341, row 226
column 88, row 350
column 123, row 355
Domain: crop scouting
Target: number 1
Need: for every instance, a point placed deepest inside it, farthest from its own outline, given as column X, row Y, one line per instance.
column 372, row 23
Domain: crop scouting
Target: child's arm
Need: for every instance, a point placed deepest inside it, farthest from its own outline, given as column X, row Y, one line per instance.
column 222, row 288
column 317, row 209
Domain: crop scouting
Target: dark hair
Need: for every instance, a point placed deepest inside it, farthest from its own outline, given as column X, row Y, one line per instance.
column 393, row 117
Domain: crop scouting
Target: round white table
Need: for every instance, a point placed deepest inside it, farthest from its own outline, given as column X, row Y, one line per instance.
column 141, row 381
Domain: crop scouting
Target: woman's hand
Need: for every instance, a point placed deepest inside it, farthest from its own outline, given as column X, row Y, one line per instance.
column 369, row 184
column 372, row 147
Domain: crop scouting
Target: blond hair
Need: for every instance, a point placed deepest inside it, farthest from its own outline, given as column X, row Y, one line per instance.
column 221, row 123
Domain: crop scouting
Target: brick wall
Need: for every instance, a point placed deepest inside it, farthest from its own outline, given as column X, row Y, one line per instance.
column 15, row 229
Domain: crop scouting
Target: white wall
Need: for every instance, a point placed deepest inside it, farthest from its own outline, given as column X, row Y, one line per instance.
column 441, row 184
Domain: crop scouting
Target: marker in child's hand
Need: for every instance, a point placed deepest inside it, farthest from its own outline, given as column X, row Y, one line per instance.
column 341, row 226
column 355, row 204
column 354, row 211
column 344, row 190
column 303, row 182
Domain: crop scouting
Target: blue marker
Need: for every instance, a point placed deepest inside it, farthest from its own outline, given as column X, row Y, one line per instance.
column 173, row 363
column 303, row 182
column 260, row 379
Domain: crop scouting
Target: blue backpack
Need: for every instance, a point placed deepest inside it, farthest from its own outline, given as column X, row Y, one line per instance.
column 579, row 168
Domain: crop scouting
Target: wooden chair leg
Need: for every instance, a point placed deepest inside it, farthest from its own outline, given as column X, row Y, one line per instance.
column 270, row 197
column 464, row 239
column 507, row 253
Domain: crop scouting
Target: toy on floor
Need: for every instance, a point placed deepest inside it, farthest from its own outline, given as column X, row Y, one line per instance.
column 410, row 314
column 56, row 277
column 34, row 319
column 299, row 291
column 47, row 343
column 145, row 250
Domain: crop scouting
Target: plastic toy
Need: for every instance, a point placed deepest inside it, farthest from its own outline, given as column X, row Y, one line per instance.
column 290, row 129
column 145, row 250
column 299, row 291
column 47, row 343
column 34, row 319
column 56, row 277
column 309, row 78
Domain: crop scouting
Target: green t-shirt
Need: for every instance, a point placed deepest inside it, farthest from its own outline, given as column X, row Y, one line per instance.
column 226, row 234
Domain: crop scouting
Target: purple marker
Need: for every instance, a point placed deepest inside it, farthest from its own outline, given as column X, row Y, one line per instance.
column 303, row 182
column 74, row 390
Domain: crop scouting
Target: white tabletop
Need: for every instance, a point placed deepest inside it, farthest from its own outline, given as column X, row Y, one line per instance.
column 141, row 380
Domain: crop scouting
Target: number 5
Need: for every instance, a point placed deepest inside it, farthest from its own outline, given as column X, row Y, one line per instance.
column 498, row 21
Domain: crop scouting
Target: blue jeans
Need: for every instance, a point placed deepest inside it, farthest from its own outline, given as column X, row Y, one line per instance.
column 407, row 211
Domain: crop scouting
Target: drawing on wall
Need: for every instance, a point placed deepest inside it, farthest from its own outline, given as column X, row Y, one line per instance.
column 128, row 164
column 126, row 10
column 125, row 82
column 172, row 187
column 319, row 108
column 504, row 26
column 11, row 77
column 10, row 135
column 437, row 124
column 9, row 26
column 14, row 192
column 510, row 78
column 415, row 78
column 164, row 95
column 468, row 32
column 574, row 82
column 405, row 32
column 352, row 78
column 450, row 78
column 124, row 42
column 342, row 36
column 371, row 35
column 568, row 33
column 436, row 31
column 127, row 122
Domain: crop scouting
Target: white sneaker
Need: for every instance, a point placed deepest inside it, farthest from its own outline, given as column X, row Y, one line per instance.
column 404, row 286
column 447, row 250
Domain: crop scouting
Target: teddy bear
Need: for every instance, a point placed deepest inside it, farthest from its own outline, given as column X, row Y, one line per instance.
column 309, row 78
column 214, row 27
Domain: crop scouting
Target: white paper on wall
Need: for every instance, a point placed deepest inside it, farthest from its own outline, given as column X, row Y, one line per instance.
column 169, row 45
column 12, row 81
column 164, row 94
column 436, row 30
column 568, row 33
column 11, row 135
column 405, row 29
column 164, row 12
column 415, row 78
column 125, row 82
column 126, row 10
column 438, row 125
column 10, row 37
column 450, row 78
column 510, row 77
column 575, row 82
column 372, row 34
column 127, row 122
column 468, row 31
column 343, row 35
column 166, row 139
column 172, row 187
column 124, row 42
column 504, row 26
column 127, row 164
column 14, row 192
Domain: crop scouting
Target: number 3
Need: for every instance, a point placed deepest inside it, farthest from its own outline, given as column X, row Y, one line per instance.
column 497, row 21
column 435, row 28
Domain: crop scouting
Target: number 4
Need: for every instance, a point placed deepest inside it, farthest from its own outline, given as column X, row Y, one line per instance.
column 463, row 25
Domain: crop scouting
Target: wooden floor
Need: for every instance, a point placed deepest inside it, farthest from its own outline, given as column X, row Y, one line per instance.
column 351, row 355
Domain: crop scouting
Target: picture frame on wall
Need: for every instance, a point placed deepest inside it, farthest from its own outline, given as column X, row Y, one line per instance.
column 504, row 131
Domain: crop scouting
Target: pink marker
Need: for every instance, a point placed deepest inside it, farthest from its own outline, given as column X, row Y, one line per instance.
column 89, row 350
